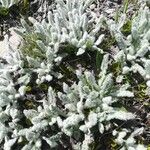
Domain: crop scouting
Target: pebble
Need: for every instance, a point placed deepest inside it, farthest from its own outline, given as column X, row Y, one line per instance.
column 14, row 41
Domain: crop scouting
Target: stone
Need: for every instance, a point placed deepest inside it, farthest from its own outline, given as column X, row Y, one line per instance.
column 14, row 40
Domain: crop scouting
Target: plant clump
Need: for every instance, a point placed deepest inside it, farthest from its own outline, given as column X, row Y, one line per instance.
column 77, row 81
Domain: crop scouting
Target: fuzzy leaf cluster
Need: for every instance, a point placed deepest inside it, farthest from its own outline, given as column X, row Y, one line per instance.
column 78, row 113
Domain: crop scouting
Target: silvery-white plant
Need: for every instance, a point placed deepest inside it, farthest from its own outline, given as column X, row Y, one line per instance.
column 72, row 113
column 8, row 3
column 134, row 53
column 86, row 104
column 69, row 23
column 129, row 142
column 90, row 104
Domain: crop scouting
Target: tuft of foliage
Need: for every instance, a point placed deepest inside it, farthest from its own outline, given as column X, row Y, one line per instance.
column 47, row 103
